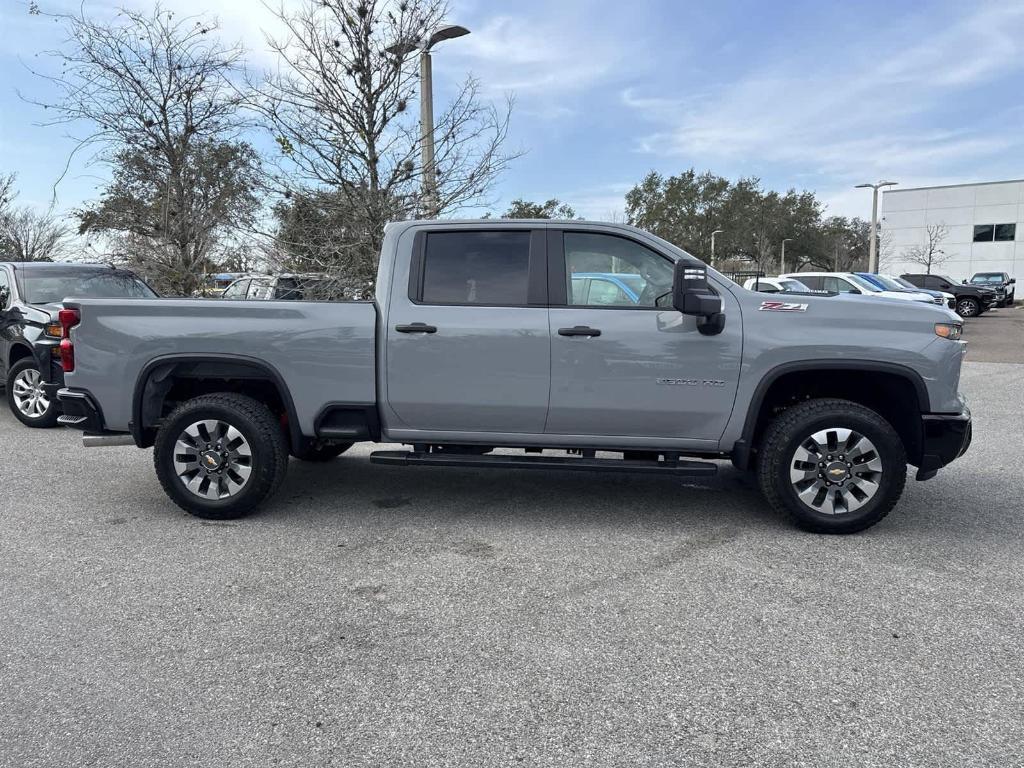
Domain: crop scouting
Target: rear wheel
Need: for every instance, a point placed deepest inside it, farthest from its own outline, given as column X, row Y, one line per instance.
column 219, row 456
column 832, row 466
column 968, row 307
column 26, row 397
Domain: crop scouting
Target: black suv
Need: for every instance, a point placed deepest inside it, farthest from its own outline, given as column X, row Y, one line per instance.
column 971, row 300
column 30, row 332
column 1000, row 282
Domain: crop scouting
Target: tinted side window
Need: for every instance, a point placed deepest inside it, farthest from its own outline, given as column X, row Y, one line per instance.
column 476, row 268
column 5, row 291
column 1006, row 231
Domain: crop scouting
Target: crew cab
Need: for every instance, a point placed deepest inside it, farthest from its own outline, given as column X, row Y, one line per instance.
column 477, row 351
column 971, row 300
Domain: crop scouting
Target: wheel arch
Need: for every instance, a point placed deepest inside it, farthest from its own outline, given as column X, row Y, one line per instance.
column 17, row 353
column 895, row 391
column 194, row 374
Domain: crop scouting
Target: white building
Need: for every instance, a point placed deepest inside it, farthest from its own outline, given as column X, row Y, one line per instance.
column 985, row 224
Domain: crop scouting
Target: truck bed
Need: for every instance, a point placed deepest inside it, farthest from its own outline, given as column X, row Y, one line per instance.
column 313, row 347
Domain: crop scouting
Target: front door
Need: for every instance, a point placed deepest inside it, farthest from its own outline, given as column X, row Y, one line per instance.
column 468, row 346
column 624, row 363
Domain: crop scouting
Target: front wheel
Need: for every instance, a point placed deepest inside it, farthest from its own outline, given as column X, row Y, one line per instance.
column 832, row 466
column 968, row 307
column 219, row 456
column 26, row 397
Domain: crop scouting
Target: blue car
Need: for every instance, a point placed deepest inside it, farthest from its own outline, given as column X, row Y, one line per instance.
column 888, row 283
column 610, row 288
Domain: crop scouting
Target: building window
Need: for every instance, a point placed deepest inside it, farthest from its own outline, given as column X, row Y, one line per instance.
column 986, row 233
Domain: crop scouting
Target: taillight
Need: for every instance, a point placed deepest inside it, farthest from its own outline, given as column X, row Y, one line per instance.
column 68, row 318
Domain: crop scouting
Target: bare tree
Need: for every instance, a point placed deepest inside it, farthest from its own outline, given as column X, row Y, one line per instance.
column 158, row 88
column 339, row 108
column 929, row 254
column 7, row 194
column 29, row 235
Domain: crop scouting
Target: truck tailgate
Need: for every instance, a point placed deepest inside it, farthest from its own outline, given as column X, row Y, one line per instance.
column 321, row 351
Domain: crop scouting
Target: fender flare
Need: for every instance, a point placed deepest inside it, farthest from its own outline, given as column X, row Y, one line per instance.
column 141, row 433
column 743, row 446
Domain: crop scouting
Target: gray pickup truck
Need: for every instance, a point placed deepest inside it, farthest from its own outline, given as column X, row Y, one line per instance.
column 486, row 347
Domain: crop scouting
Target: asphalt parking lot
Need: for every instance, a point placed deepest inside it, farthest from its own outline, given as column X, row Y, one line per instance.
column 382, row 616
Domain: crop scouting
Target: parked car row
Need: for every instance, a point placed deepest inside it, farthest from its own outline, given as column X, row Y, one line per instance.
column 968, row 299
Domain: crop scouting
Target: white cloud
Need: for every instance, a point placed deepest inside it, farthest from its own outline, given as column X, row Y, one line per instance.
column 849, row 119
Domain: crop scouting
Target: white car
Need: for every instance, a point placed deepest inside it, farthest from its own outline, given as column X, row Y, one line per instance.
column 847, row 282
column 775, row 285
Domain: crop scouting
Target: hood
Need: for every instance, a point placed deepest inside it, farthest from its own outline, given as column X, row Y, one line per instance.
column 42, row 313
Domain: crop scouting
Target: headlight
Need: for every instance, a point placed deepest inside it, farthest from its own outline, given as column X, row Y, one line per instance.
column 951, row 331
column 53, row 330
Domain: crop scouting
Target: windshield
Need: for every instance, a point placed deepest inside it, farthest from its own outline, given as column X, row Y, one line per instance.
column 889, row 283
column 793, row 285
column 866, row 285
column 996, row 278
column 54, row 285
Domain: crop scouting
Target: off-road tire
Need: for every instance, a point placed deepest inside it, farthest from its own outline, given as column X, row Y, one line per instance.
column 786, row 433
column 258, row 426
column 49, row 417
column 321, row 452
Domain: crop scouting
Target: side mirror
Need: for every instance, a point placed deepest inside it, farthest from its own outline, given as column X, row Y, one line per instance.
column 1013, row 280
column 964, row 282
column 691, row 295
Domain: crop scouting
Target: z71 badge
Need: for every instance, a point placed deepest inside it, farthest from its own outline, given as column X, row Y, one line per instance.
column 782, row 306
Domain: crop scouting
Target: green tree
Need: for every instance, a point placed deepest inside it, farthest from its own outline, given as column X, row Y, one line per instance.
column 549, row 209
column 173, row 222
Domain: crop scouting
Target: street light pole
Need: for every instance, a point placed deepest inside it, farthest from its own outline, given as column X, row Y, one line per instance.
column 716, row 232
column 402, row 49
column 782, row 259
column 427, row 133
column 873, row 248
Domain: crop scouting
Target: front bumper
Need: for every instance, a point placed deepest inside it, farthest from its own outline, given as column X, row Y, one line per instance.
column 945, row 437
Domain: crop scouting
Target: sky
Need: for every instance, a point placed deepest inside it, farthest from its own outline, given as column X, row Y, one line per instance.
column 808, row 95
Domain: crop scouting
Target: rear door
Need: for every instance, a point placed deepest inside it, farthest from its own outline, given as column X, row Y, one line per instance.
column 635, row 367
column 468, row 348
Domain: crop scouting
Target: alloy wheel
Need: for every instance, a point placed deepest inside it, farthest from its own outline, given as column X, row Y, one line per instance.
column 212, row 459
column 966, row 308
column 29, row 396
column 836, row 470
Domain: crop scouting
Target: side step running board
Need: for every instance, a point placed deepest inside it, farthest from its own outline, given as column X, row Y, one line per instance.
column 415, row 458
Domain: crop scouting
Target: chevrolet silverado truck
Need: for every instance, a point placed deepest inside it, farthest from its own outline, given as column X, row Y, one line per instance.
column 476, row 351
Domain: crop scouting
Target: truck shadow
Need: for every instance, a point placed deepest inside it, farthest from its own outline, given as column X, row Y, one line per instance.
column 360, row 491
